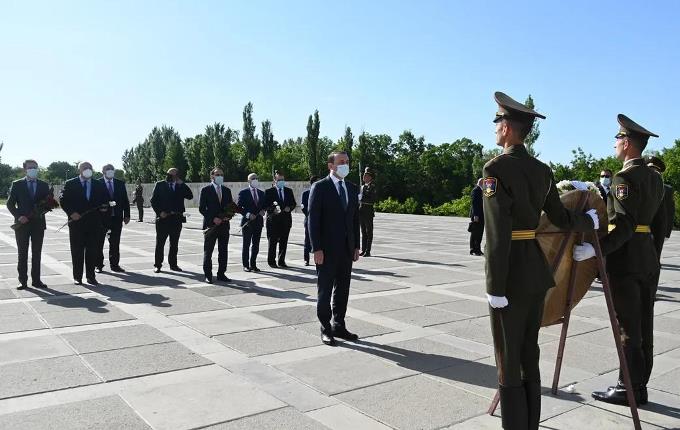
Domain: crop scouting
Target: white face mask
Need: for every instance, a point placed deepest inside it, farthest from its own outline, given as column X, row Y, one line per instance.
column 280, row 183
column 606, row 181
column 219, row 180
column 254, row 183
column 342, row 170
column 32, row 173
column 109, row 174
column 87, row 173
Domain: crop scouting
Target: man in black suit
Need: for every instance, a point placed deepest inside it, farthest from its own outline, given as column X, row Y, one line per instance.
column 81, row 199
column 24, row 196
column 214, row 203
column 304, row 206
column 476, row 227
column 167, row 201
column 113, row 219
column 334, row 232
column 251, row 203
column 279, row 219
column 605, row 183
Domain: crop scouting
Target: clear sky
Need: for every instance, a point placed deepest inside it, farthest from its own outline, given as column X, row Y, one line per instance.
column 84, row 80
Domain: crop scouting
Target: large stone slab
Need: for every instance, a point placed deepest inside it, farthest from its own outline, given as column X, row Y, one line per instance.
column 251, row 299
column 364, row 370
column 424, row 298
column 358, row 326
column 379, row 304
column 218, row 290
column 414, row 403
column 268, row 340
column 472, row 308
column 14, row 309
column 103, row 413
column 424, row 316
column 189, row 306
column 32, row 348
column 423, row 354
column 475, row 329
column 668, row 382
column 290, row 315
column 143, row 360
column 590, row 416
column 48, row 374
column 115, row 338
column 75, row 317
column 286, row 418
column 226, row 321
column 16, row 323
column 6, row 293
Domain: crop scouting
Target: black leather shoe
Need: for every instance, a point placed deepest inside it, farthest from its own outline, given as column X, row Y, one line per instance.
column 157, row 270
column 617, row 395
column 306, row 262
column 644, row 396
column 283, row 265
column 345, row 334
column 361, row 254
column 92, row 281
column 273, row 265
column 327, row 340
column 22, row 286
column 39, row 284
column 78, row 282
column 100, row 269
column 367, row 254
column 256, row 269
column 247, row 269
column 223, row 278
column 209, row 279
column 176, row 269
column 117, row 269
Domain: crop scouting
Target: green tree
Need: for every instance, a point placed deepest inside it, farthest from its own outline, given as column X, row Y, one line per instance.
column 250, row 141
column 58, row 172
column 219, row 139
column 533, row 135
column 312, row 143
column 268, row 142
column 671, row 157
column 174, row 157
column 192, row 152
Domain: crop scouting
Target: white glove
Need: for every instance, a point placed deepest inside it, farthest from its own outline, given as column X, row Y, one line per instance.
column 583, row 252
column 596, row 219
column 580, row 185
column 497, row 302
column 361, row 196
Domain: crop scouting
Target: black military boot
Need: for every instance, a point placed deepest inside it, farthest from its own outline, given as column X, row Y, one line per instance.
column 617, row 395
column 533, row 390
column 514, row 415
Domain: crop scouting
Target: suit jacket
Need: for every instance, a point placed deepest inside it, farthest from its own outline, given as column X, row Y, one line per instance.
column 122, row 208
column 164, row 199
column 305, row 205
column 477, row 207
column 209, row 204
column 247, row 205
column 669, row 207
column 73, row 199
column 331, row 229
column 283, row 220
column 20, row 202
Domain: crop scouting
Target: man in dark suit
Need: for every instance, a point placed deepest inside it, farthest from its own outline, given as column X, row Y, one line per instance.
column 605, row 183
column 81, row 199
column 305, row 205
column 334, row 232
column 167, row 202
column 476, row 227
column 251, row 203
column 24, row 196
column 279, row 219
column 139, row 200
column 216, row 206
column 113, row 219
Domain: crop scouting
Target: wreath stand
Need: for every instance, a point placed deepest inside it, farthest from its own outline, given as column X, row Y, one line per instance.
column 567, row 314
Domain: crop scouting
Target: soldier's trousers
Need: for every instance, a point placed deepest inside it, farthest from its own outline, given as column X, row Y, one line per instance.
column 366, row 233
column 476, row 236
column 634, row 304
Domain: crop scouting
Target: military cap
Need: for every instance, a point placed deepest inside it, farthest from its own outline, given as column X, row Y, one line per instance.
column 511, row 109
column 369, row 171
column 656, row 163
column 628, row 127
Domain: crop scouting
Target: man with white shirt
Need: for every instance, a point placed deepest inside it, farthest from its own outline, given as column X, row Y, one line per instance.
column 216, row 206
column 605, row 183
column 113, row 219
column 251, row 203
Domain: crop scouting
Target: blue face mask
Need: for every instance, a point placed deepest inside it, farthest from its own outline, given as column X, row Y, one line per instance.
column 280, row 184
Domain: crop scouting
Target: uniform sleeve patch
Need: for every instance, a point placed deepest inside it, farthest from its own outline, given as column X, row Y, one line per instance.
column 489, row 185
column 621, row 191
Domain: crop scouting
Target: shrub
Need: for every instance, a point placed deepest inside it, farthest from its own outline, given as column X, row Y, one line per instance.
column 456, row 207
column 392, row 205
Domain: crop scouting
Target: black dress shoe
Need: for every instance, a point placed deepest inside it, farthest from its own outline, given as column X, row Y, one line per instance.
column 157, row 270
column 361, row 254
column 92, row 281
column 367, row 254
column 39, row 284
column 327, row 340
column 117, row 269
column 256, row 269
column 306, row 262
column 222, row 277
column 283, row 265
column 100, row 269
column 209, row 279
column 176, row 268
column 345, row 334
column 78, row 282
column 273, row 265
column 247, row 269
column 617, row 395
column 22, row 286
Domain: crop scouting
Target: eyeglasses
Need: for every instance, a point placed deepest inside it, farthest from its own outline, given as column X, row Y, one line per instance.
column 605, row 176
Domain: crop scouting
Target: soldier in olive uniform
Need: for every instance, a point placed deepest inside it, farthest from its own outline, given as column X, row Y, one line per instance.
column 634, row 210
column 139, row 199
column 367, row 199
column 517, row 187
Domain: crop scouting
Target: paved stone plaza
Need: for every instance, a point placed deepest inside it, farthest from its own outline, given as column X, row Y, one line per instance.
column 166, row 351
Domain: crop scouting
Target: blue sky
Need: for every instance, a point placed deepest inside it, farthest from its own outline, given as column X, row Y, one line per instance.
column 86, row 80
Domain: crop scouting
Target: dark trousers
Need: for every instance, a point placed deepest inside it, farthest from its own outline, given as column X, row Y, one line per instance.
column 476, row 236
column 31, row 233
column 634, row 304
column 112, row 228
column 308, row 243
column 366, row 233
column 170, row 227
column 251, row 244
column 140, row 209
column 515, row 339
column 84, row 237
column 278, row 237
column 222, row 239
column 333, row 278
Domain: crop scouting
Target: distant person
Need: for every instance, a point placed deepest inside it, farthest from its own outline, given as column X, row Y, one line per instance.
column 668, row 204
column 81, row 199
column 214, row 203
column 304, row 206
column 251, row 203
column 167, row 202
column 280, row 202
column 139, row 200
column 605, row 183
column 367, row 198
column 334, row 233
column 24, row 197
column 113, row 219
column 476, row 227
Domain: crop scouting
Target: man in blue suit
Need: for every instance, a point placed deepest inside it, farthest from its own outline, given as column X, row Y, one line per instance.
column 214, row 201
column 112, row 221
column 24, row 196
column 305, row 204
column 334, row 233
column 251, row 202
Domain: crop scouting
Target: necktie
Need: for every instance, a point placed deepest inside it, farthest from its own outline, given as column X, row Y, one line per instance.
column 281, row 194
column 32, row 188
column 172, row 186
column 343, row 195
column 110, row 186
column 254, row 195
column 86, row 186
column 219, row 194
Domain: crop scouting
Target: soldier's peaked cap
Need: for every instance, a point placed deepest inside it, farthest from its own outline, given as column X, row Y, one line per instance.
column 369, row 171
column 656, row 163
column 628, row 127
column 509, row 108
